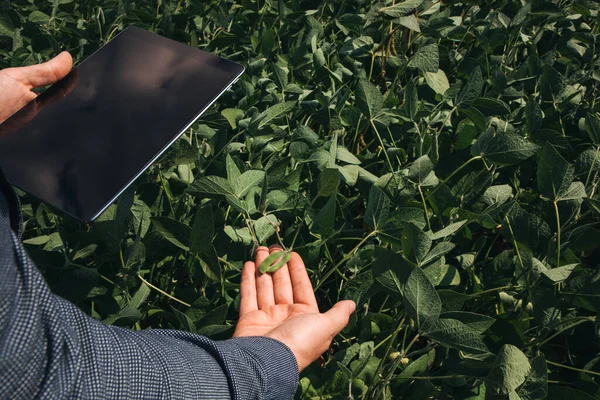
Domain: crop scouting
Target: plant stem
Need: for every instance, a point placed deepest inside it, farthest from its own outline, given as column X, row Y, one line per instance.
column 383, row 147
column 302, row 222
column 389, row 346
column 557, row 234
column 404, row 351
column 512, row 234
column 566, row 328
column 428, row 378
column 585, row 371
column 469, row 161
column 343, row 260
column 162, row 291
column 474, row 295
column 424, row 207
column 94, row 271
column 587, row 180
column 388, row 337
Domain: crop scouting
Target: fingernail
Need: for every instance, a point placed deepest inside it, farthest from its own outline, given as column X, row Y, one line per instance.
column 353, row 306
column 261, row 248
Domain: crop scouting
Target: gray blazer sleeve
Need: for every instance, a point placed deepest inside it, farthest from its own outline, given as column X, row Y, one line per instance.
column 50, row 349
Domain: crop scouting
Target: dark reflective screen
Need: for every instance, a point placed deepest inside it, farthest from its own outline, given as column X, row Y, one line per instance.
column 83, row 140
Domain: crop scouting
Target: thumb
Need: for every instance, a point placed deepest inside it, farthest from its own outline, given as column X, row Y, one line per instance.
column 340, row 314
column 46, row 73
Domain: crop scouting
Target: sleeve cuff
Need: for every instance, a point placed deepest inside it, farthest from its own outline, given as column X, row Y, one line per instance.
column 276, row 361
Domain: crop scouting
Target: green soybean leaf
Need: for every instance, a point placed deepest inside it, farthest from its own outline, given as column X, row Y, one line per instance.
column 421, row 301
column 575, row 191
column 476, row 117
column 84, row 252
column 232, row 115
column 378, row 208
column 534, row 117
column 265, row 227
column 130, row 314
column 421, row 172
column 411, row 100
column 209, row 263
column 465, row 133
column 7, row 27
column 491, row 107
column 349, row 174
column 509, row 370
column 369, row 99
column 246, row 181
column 503, row 148
column 521, row 15
column 391, row 270
column 215, row 186
column 240, row 235
column 329, row 181
column 563, row 392
column 439, row 250
column 401, row 9
column 527, row 229
column 173, row 231
column 418, row 366
column 498, row 194
column 554, row 174
column 280, row 74
column 453, row 333
column 140, row 217
column 271, row 113
column 37, row 241
column 342, row 154
column 447, row 231
column 135, row 255
column 559, row 274
column 592, row 126
column 411, row 22
column 438, row 81
column 472, row 89
column 551, row 83
column 536, row 383
column 426, row 59
column 478, row 322
column 212, row 185
column 415, row 243
column 203, row 232
column 39, row 17
column 233, row 171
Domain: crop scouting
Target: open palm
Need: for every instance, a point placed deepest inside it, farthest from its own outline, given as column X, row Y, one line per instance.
column 282, row 306
column 16, row 84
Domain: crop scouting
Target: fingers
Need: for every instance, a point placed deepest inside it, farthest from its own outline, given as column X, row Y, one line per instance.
column 264, row 282
column 248, row 300
column 53, row 95
column 45, row 73
column 301, row 285
column 63, row 89
column 282, row 284
column 340, row 314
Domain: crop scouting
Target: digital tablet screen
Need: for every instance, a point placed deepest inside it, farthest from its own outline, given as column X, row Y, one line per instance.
column 86, row 138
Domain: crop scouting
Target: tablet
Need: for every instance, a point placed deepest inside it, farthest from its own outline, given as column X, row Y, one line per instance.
column 85, row 139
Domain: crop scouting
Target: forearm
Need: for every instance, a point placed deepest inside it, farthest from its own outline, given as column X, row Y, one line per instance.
column 49, row 348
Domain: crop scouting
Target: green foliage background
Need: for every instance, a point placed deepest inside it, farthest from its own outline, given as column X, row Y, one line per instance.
column 437, row 162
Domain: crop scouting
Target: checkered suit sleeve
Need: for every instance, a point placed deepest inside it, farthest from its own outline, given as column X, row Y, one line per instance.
column 50, row 349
